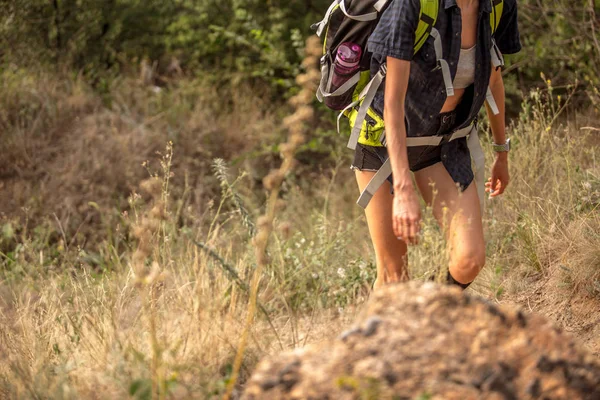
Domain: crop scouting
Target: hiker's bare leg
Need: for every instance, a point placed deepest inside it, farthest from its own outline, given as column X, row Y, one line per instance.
column 459, row 215
column 389, row 251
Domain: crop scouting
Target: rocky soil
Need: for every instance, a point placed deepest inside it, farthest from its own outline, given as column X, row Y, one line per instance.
column 432, row 342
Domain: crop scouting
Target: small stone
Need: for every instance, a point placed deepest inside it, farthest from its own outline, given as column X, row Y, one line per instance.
column 268, row 384
column 346, row 334
column 372, row 324
column 533, row 389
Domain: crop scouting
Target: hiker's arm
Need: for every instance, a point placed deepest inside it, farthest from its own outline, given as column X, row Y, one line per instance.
column 498, row 182
column 509, row 42
column 393, row 114
column 407, row 211
column 497, row 122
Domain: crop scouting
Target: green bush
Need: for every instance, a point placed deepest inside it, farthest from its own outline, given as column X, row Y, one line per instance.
column 259, row 41
column 239, row 39
column 561, row 43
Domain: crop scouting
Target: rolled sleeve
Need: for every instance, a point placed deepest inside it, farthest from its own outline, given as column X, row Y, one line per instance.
column 507, row 35
column 394, row 35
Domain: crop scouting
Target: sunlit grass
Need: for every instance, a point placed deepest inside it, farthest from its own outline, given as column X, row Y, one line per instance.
column 135, row 306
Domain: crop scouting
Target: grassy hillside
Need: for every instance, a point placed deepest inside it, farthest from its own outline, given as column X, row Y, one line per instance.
column 134, row 140
column 166, row 184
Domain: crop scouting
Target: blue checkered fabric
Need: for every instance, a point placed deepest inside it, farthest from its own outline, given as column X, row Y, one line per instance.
column 395, row 37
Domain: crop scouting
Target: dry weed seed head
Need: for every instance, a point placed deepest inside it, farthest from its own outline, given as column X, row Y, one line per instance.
column 155, row 275
column 285, row 228
column 297, row 139
column 150, row 224
column 286, row 150
column 158, row 211
column 280, row 205
column 304, row 97
column 305, row 113
column 264, row 222
column 138, row 231
column 152, row 186
column 273, row 179
column 292, row 121
column 296, row 125
column 312, row 49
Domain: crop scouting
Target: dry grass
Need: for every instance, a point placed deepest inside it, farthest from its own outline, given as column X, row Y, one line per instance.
column 104, row 293
column 552, row 206
column 60, row 137
column 90, row 337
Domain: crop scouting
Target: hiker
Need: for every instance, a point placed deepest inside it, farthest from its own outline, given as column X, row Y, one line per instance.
column 415, row 102
column 425, row 67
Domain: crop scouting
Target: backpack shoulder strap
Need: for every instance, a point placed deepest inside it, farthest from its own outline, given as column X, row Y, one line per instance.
column 427, row 19
column 497, row 8
column 429, row 13
column 497, row 58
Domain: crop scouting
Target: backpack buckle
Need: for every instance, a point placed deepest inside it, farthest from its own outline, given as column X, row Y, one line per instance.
column 445, row 138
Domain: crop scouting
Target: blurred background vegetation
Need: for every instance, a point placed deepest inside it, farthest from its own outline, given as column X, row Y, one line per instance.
column 102, row 99
column 228, row 64
column 253, row 41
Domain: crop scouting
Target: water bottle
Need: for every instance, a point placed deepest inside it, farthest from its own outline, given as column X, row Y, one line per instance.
column 345, row 66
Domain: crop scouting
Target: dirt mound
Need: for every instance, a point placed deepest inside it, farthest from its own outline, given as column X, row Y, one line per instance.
column 425, row 341
column 570, row 296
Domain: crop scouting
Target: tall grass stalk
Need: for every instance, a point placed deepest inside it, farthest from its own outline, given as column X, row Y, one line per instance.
column 295, row 125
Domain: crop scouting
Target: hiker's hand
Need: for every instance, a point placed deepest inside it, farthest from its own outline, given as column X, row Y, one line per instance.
column 496, row 185
column 407, row 215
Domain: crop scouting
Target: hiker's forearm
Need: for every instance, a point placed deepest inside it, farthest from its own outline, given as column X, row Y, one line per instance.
column 396, row 144
column 497, row 122
column 395, row 127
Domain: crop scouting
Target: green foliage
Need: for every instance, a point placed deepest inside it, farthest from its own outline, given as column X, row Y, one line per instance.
column 259, row 41
column 241, row 39
column 141, row 389
column 364, row 389
column 308, row 277
column 89, row 35
column 561, row 39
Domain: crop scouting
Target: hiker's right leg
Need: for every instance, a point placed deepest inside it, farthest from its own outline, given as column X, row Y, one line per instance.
column 458, row 213
column 389, row 251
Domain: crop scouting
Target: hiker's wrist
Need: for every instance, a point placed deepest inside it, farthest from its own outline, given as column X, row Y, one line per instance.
column 502, row 156
column 403, row 185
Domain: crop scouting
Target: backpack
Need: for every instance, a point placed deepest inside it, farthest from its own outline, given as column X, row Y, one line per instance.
column 354, row 21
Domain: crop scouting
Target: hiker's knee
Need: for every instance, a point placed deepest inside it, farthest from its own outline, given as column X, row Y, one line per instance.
column 466, row 266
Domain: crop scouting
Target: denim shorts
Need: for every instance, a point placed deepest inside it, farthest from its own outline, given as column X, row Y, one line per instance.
column 454, row 155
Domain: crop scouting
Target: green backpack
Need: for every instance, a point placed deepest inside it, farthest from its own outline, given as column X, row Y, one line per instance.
column 354, row 21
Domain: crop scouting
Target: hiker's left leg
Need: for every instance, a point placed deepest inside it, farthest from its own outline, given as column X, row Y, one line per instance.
column 390, row 252
column 459, row 215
